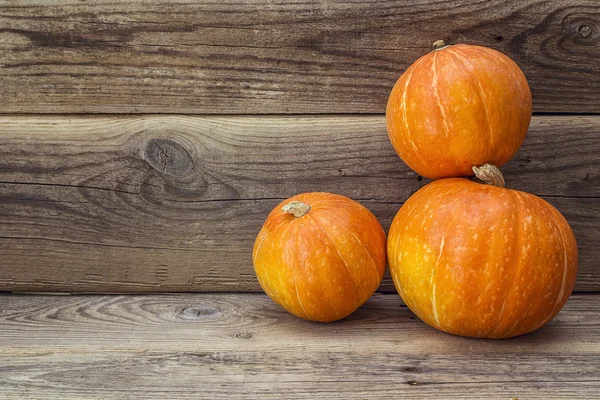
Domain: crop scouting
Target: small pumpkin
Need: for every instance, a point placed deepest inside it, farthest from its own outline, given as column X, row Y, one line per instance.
column 458, row 107
column 320, row 255
column 480, row 260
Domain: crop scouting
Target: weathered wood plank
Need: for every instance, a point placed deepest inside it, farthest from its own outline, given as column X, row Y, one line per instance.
column 276, row 56
column 148, row 204
column 244, row 346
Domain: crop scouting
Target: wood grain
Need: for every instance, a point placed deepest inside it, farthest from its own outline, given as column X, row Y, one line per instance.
column 174, row 203
column 236, row 346
column 276, row 56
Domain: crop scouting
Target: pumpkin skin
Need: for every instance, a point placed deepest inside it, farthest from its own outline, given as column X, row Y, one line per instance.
column 457, row 107
column 482, row 261
column 325, row 264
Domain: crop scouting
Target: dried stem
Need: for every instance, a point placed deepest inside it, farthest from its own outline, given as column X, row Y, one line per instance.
column 489, row 174
column 297, row 208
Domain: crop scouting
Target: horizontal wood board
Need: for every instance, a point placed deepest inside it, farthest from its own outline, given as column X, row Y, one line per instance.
column 276, row 56
column 243, row 346
column 174, row 203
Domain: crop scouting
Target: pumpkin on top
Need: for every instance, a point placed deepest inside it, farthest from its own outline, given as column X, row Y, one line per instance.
column 458, row 107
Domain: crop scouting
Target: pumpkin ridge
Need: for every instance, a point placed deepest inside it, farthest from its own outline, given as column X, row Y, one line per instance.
column 414, row 197
column 264, row 231
column 397, row 280
column 353, row 203
column 315, row 222
column 404, row 95
column 434, row 274
column 516, row 257
column 436, row 94
column 509, row 68
column 300, row 301
column 363, row 245
column 256, row 248
column 433, row 283
column 469, row 67
column 565, row 267
column 297, row 267
column 438, row 100
column 530, row 205
column 503, row 61
column 255, row 252
column 319, row 199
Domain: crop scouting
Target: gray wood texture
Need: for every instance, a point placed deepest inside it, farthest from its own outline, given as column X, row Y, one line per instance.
column 243, row 346
column 276, row 56
column 174, row 203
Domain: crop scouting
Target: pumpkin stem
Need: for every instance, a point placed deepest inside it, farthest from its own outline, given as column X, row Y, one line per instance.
column 489, row 174
column 439, row 44
column 297, row 208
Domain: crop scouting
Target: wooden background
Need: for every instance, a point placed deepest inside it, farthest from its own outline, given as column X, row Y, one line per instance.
column 143, row 143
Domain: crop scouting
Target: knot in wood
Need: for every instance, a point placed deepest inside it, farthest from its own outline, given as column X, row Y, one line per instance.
column 247, row 335
column 200, row 312
column 585, row 31
column 168, row 156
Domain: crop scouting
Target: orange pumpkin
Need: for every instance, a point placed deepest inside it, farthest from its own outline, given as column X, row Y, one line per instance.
column 479, row 260
column 458, row 107
column 320, row 256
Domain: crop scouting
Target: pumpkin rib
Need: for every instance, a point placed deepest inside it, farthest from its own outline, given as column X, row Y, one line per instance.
column 565, row 264
column 436, row 94
column 322, row 198
column 262, row 240
column 509, row 67
column 535, row 238
column 271, row 232
column 433, row 283
column 396, row 278
column 265, row 232
column 404, row 95
column 297, row 267
column 516, row 79
column 349, row 229
column 440, row 105
column 300, row 301
column 517, row 259
column 565, row 269
column 435, row 275
column 315, row 222
column 469, row 67
column 377, row 275
column 395, row 256
column 262, row 236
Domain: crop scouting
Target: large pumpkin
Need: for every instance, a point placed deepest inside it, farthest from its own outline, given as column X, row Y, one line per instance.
column 320, row 256
column 458, row 107
column 479, row 260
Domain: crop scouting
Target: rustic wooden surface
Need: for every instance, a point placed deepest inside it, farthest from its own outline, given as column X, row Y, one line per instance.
column 276, row 56
column 153, row 203
column 234, row 346
column 174, row 203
